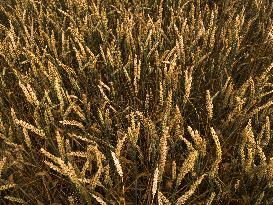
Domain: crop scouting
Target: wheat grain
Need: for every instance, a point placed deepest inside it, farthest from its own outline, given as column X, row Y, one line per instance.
column 120, row 144
column 188, row 83
column 161, row 94
column 85, row 166
column 209, row 104
column 136, row 73
column 30, row 127
column 167, row 109
column 260, row 199
column 182, row 200
column 60, row 142
column 103, row 93
column 148, row 123
column 211, row 198
column 71, row 200
column 251, row 146
column 200, row 143
column 262, row 167
column 68, row 110
column 107, row 178
column 261, row 155
column 270, row 169
column 178, row 122
column 237, row 110
column 2, row 128
column 120, row 172
column 237, row 184
column 32, row 95
column 7, row 186
column 84, row 139
column 26, row 92
column 79, row 112
column 162, row 200
column 101, row 119
column 243, row 88
column 212, row 30
column 77, row 154
column 188, row 144
column 187, row 166
column 27, row 138
column 163, row 147
column 117, row 164
column 263, row 77
column 180, row 45
column 215, row 166
column 267, row 132
column 228, row 93
column 72, row 123
column 99, row 199
column 2, row 164
column 147, row 101
column 108, row 121
column 174, row 170
column 52, row 166
column 258, row 109
column 59, row 92
column 15, row 199
column 155, row 182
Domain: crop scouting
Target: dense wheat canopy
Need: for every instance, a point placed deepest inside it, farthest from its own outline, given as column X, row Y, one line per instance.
column 136, row 102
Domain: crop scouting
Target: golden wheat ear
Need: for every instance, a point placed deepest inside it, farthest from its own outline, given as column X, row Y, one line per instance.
column 182, row 200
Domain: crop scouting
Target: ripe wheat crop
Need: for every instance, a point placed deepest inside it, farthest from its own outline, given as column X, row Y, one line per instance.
column 136, row 102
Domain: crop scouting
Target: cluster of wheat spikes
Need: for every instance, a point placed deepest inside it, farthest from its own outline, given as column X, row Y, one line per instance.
column 136, row 102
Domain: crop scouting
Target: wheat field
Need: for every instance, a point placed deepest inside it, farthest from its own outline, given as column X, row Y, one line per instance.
column 136, row 102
